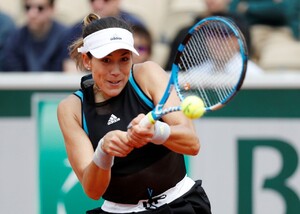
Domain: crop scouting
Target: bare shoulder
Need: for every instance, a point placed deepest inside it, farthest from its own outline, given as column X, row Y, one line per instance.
column 69, row 106
column 68, row 101
column 148, row 69
column 150, row 77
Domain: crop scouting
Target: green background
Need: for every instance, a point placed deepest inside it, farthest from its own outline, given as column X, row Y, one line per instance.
column 53, row 171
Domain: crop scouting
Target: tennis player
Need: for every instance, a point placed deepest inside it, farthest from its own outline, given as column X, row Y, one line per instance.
column 136, row 170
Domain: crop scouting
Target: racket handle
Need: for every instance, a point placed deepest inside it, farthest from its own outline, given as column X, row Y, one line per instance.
column 147, row 121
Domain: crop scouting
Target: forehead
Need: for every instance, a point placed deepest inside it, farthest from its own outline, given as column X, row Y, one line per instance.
column 37, row 2
column 119, row 53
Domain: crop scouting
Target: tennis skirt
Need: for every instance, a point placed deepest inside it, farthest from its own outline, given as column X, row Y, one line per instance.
column 195, row 201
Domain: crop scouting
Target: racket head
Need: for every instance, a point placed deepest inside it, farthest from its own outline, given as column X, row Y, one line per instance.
column 211, row 62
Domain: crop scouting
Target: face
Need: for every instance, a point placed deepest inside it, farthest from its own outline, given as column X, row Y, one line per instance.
column 111, row 72
column 218, row 45
column 214, row 6
column 38, row 13
column 141, row 44
column 105, row 8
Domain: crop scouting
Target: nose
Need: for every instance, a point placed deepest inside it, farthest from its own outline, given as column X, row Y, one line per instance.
column 115, row 71
column 98, row 5
column 32, row 12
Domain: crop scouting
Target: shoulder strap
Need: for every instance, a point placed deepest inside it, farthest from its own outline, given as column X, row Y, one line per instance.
column 79, row 94
column 132, row 81
column 139, row 91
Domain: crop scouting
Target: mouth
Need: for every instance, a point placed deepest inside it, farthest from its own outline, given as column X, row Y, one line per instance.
column 114, row 83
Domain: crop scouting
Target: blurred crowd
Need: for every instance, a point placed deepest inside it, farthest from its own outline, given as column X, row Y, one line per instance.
column 40, row 42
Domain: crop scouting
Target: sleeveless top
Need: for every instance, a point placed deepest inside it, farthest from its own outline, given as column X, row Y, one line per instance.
column 146, row 171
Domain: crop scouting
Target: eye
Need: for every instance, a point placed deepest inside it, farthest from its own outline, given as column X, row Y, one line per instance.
column 106, row 60
column 125, row 59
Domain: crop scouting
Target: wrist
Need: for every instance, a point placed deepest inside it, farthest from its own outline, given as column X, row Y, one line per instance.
column 101, row 158
column 162, row 132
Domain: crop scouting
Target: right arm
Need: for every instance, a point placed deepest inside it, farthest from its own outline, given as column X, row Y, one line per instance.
column 93, row 179
column 13, row 53
column 262, row 9
column 79, row 149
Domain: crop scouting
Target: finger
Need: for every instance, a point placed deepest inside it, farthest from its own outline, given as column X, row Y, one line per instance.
column 129, row 126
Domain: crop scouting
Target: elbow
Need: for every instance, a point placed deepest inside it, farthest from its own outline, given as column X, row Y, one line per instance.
column 195, row 148
column 94, row 187
column 91, row 193
column 94, row 191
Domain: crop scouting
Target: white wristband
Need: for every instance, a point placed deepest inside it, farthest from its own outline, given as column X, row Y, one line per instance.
column 102, row 159
column 162, row 132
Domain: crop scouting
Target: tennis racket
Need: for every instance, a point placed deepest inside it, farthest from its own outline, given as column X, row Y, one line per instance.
column 210, row 63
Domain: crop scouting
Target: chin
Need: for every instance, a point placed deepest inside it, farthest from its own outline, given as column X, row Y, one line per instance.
column 114, row 92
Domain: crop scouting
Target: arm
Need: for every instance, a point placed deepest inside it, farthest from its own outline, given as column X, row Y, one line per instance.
column 263, row 9
column 153, row 81
column 93, row 179
column 14, row 60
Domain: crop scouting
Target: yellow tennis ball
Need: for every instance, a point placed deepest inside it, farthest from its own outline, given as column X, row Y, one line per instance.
column 193, row 107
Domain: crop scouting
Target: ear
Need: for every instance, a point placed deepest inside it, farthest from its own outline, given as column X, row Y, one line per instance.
column 86, row 61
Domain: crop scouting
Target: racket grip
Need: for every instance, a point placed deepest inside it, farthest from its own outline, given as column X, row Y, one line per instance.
column 147, row 121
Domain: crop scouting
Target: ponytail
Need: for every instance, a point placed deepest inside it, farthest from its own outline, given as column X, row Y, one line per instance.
column 74, row 54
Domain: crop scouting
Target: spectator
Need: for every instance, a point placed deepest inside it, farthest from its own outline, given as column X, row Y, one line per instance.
column 266, row 12
column 213, row 7
column 142, row 43
column 103, row 8
column 216, row 8
column 7, row 26
column 274, row 26
column 39, row 45
column 106, row 8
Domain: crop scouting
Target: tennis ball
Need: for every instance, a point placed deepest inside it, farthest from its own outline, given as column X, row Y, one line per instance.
column 193, row 107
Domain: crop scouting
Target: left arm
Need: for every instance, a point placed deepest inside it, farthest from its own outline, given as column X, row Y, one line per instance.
column 153, row 81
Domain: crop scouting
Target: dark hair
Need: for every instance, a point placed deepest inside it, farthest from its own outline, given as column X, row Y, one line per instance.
column 102, row 23
column 51, row 2
column 144, row 32
column 91, row 24
column 242, row 24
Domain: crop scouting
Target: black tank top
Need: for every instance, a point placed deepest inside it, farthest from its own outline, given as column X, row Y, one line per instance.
column 152, row 168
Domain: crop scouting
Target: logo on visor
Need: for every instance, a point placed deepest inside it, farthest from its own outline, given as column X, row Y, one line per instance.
column 115, row 37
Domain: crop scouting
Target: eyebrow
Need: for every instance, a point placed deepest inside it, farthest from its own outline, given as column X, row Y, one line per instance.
column 126, row 52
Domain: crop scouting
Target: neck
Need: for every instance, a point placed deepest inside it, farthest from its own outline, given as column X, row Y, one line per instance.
column 98, row 94
column 42, row 32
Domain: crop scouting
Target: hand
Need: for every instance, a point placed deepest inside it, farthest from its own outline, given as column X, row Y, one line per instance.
column 115, row 143
column 137, row 135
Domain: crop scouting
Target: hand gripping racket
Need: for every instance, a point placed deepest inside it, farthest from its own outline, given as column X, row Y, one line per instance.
column 210, row 63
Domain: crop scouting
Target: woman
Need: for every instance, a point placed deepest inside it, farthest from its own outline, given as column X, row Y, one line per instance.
column 139, row 169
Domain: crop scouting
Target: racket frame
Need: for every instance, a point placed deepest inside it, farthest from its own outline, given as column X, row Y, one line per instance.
column 158, row 111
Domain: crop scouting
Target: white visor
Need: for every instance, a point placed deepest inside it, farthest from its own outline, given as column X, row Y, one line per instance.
column 103, row 42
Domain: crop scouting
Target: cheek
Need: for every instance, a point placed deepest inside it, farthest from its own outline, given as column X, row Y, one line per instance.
column 97, row 76
column 125, row 69
column 97, row 66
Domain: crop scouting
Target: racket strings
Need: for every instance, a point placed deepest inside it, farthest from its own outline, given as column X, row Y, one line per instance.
column 210, row 64
column 188, row 61
column 227, row 50
column 217, row 48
